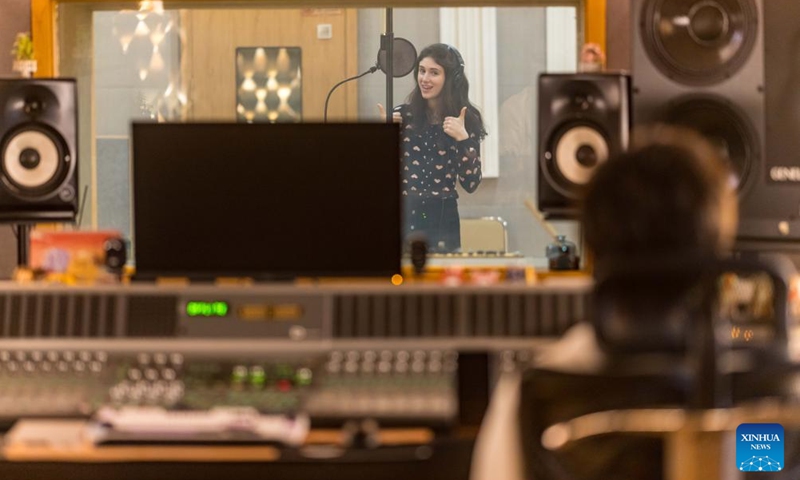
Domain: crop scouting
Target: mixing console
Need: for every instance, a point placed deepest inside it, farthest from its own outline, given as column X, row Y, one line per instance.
column 419, row 355
column 391, row 382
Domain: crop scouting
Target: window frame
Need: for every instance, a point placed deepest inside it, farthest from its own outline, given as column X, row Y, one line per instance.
column 43, row 16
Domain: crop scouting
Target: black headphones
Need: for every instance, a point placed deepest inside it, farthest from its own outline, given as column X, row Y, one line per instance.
column 458, row 77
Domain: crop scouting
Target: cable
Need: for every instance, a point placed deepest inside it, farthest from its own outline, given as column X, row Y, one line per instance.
column 81, row 209
column 371, row 70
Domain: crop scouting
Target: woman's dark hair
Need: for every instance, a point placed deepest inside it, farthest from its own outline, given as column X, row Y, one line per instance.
column 455, row 92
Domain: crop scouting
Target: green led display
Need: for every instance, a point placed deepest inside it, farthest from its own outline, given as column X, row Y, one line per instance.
column 206, row 309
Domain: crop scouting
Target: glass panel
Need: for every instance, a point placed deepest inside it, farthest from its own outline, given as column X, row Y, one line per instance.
column 137, row 63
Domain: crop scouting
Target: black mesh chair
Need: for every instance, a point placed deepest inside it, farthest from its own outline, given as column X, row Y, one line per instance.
column 676, row 336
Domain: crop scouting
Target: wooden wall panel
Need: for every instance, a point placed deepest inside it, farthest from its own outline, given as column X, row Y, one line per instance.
column 210, row 57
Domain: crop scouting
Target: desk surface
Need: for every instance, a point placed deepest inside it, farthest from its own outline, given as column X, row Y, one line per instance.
column 68, row 453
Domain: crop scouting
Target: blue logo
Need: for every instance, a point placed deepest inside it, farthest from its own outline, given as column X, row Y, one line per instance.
column 759, row 447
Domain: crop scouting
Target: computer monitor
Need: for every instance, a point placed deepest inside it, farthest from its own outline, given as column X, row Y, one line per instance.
column 266, row 200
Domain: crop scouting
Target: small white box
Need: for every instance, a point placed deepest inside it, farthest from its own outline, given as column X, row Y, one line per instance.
column 324, row 31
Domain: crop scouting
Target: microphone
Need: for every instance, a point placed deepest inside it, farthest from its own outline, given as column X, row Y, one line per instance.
column 404, row 57
column 372, row 69
column 419, row 252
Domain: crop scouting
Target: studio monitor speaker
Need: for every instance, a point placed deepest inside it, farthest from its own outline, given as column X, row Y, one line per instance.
column 38, row 150
column 725, row 68
column 583, row 120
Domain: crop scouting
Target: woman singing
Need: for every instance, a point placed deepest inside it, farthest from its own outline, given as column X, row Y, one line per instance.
column 441, row 136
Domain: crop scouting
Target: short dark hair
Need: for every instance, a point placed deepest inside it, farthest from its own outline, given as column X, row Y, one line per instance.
column 670, row 194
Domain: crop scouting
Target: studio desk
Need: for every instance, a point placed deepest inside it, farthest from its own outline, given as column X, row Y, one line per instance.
column 392, row 381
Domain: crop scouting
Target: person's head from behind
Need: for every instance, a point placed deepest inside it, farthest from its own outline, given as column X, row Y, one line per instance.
column 653, row 217
column 670, row 195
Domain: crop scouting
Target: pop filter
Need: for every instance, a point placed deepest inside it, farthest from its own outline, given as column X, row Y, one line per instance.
column 404, row 57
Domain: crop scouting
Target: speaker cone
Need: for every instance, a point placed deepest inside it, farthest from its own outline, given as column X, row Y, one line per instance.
column 576, row 150
column 699, row 42
column 725, row 126
column 33, row 164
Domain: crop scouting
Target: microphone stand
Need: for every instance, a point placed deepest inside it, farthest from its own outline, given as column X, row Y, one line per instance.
column 387, row 43
column 23, row 244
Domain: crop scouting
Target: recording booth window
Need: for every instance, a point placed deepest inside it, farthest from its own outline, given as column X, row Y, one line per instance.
column 157, row 63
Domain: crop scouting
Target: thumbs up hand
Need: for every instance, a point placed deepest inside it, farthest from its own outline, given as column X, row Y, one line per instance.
column 396, row 117
column 454, row 126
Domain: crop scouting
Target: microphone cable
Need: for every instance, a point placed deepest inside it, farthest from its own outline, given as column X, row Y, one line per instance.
column 372, row 69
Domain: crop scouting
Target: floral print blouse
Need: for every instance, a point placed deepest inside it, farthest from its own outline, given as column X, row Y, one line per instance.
column 432, row 160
